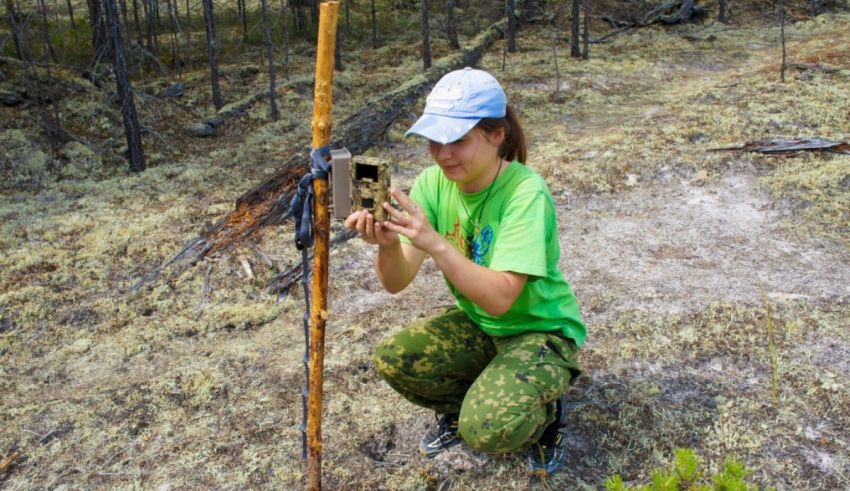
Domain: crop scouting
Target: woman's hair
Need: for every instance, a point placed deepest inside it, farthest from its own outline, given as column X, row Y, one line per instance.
column 514, row 146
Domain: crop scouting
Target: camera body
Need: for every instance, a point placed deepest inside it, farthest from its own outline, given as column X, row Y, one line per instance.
column 359, row 183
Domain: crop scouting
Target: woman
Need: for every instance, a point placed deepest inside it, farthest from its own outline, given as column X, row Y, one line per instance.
column 494, row 368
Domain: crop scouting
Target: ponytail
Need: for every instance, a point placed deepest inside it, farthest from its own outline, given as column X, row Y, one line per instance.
column 514, row 146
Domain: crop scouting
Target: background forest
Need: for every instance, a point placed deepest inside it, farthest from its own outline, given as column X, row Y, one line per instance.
column 714, row 282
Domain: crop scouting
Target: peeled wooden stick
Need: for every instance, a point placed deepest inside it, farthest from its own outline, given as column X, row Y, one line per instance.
column 321, row 124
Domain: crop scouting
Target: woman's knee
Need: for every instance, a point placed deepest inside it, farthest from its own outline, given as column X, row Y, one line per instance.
column 498, row 431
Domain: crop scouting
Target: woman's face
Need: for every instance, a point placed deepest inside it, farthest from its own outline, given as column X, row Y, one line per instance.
column 470, row 161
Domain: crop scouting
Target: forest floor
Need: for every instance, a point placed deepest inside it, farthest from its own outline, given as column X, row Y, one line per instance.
column 683, row 260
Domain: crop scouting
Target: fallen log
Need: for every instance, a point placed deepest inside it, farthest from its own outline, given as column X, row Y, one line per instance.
column 782, row 146
column 268, row 202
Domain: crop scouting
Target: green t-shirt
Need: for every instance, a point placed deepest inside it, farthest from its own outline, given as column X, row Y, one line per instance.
column 517, row 231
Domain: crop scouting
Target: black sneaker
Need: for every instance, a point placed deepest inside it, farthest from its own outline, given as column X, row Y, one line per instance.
column 441, row 437
column 547, row 456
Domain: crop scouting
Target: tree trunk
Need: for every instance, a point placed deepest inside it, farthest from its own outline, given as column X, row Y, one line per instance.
column 125, row 21
column 426, row 41
column 132, row 128
column 585, row 52
column 243, row 18
column 511, row 15
column 273, row 112
column 285, row 40
column 338, row 50
column 575, row 32
column 71, row 14
column 211, row 47
column 175, row 21
column 12, row 15
column 96, row 21
column 188, row 16
column 374, row 27
column 721, row 12
column 782, row 35
column 451, row 23
column 136, row 20
column 268, row 202
column 45, row 33
column 347, row 17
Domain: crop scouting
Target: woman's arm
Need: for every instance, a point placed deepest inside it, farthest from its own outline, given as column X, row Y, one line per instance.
column 494, row 291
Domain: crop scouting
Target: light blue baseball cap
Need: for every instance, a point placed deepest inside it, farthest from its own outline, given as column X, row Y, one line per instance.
column 457, row 103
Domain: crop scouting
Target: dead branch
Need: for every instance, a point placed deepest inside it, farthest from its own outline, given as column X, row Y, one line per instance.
column 9, row 461
column 283, row 281
column 783, row 146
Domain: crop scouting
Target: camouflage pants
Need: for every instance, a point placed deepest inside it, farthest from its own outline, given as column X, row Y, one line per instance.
column 502, row 387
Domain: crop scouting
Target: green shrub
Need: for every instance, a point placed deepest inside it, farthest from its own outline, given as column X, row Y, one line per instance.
column 685, row 474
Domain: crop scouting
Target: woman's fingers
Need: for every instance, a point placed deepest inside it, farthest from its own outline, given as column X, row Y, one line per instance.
column 406, row 203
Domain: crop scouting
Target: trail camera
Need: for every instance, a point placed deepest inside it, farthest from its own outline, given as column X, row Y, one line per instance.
column 360, row 183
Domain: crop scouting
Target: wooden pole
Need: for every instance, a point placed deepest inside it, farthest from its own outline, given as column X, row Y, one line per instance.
column 322, row 102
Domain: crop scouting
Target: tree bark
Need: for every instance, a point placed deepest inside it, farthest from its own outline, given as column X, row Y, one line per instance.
column 782, row 35
column 71, row 14
column 136, row 20
column 585, row 52
column 12, row 15
column 268, row 202
column 175, row 20
column 285, row 42
column 374, row 27
column 132, row 128
column 575, row 32
column 209, row 22
column 451, row 23
column 243, row 18
column 96, row 21
column 273, row 112
column 426, row 41
column 511, row 15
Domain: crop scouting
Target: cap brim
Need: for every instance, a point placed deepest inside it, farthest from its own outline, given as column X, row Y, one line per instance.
column 442, row 129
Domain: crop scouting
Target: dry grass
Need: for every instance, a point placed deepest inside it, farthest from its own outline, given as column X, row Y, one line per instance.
column 104, row 390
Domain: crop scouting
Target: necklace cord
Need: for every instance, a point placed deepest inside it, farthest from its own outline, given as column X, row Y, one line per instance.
column 470, row 238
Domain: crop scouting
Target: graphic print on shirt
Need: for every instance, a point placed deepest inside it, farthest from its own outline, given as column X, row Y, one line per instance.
column 481, row 245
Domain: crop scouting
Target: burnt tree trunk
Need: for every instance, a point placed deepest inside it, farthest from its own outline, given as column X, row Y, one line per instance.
column 273, row 112
column 132, row 128
column 136, row 20
column 268, row 202
column 575, row 31
column 510, row 13
column 209, row 22
column 782, row 36
column 98, row 39
column 12, row 15
column 721, row 11
column 285, row 42
column 347, row 17
column 374, row 26
column 243, row 18
column 426, row 41
column 585, row 51
column 451, row 23
column 71, row 14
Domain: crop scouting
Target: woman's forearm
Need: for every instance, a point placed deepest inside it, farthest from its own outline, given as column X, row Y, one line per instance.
column 393, row 267
column 493, row 291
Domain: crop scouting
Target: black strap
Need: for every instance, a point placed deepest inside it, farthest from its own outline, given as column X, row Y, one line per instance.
column 304, row 199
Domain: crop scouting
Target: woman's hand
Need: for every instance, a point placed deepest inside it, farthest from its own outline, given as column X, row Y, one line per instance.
column 412, row 223
column 369, row 230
